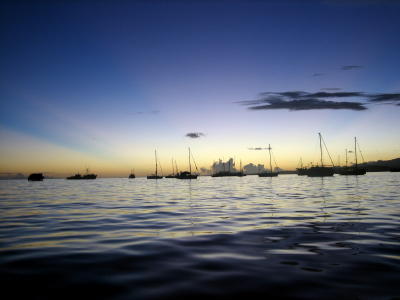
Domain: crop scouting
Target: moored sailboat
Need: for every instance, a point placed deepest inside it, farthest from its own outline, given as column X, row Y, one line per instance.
column 270, row 173
column 85, row 176
column 187, row 174
column 353, row 170
column 155, row 176
column 320, row 171
column 132, row 175
column 302, row 171
column 173, row 174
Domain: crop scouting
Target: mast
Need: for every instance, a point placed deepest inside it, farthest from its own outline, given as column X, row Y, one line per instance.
column 241, row 166
column 176, row 167
column 270, row 161
column 172, row 162
column 346, row 157
column 320, row 147
column 190, row 165
column 355, row 149
column 155, row 154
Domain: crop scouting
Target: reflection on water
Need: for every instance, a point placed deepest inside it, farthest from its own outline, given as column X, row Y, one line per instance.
column 292, row 236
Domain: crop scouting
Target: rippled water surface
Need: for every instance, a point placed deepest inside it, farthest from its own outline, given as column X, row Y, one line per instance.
column 289, row 237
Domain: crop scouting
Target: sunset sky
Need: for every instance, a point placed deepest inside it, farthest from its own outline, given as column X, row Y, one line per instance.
column 101, row 84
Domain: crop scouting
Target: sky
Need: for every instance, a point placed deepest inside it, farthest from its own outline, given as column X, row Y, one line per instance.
column 102, row 84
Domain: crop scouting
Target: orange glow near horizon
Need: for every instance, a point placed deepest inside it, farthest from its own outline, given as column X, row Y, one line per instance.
column 24, row 154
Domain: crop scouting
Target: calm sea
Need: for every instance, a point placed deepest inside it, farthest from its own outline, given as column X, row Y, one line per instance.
column 256, row 238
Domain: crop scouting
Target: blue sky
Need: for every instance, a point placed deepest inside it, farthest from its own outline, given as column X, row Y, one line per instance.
column 112, row 80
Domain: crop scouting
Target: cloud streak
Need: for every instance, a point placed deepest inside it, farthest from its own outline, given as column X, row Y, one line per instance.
column 309, row 104
column 300, row 100
column 351, row 67
column 388, row 98
column 194, row 135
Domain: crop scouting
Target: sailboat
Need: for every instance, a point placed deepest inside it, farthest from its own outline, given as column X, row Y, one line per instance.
column 172, row 175
column 320, row 171
column 302, row 170
column 155, row 176
column 353, row 170
column 187, row 174
column 86, row 176
column 241, row 173
column 270, row 173
column 132, row 175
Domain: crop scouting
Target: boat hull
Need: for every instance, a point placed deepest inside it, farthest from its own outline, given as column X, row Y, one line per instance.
column 79, row 177
column 302, row 171
column 228, row 174
column 154, row 177
column 187, row 177
column 36, row 177
column 268, row 174
column 353, row 172
column 320, row 172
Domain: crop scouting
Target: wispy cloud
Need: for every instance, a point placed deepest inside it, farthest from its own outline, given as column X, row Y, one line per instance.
column 149, row 112
column 351, row 67
column 256, row 148
column 388, row 98
column 334, row 94
column 194, row 135
column 309, row 104
column 317, row 74
column 300, row 100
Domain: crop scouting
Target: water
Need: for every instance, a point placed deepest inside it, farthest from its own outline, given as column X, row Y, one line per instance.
column 286, row 237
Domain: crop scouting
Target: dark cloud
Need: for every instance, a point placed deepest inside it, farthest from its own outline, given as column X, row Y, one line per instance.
column 194, row 135
column 309, row 104
column 351, row 67
column 299, row 100
column 390, row 98
column 334, row 95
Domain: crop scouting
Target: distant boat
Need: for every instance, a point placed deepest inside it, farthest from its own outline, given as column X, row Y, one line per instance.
column 241, row 173
column 187, row 174
column 173, row 174
column 353, row 170
column 155, row 176
column 86, row 176
column 270, row 173
column 132, row 175
column 301, row 171
column 320, row 171
column 36, row 177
